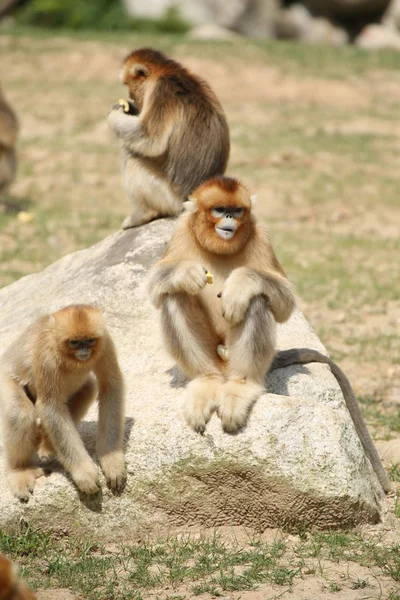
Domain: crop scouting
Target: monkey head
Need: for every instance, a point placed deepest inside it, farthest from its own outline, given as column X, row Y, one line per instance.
column 220, row 215
column 139, row 67
column 78, row 333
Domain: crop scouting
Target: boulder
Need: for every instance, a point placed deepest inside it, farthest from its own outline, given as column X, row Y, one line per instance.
column 250, row 17
column 297, row 23
column 391, row 18
column 378, row 37
column 298, row 463
column 211, row 31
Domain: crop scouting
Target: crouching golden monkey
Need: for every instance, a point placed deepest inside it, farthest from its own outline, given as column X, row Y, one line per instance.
column 224, row 342
column 49, row 377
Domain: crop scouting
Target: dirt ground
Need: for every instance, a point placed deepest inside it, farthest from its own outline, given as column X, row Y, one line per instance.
column 320, row 150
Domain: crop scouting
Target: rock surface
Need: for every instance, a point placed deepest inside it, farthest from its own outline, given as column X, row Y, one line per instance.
column 250, row 17
column 378, row 37
column 298, row 463
column 297, row 23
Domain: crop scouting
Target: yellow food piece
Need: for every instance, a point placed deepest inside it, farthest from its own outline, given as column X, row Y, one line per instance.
column 25, row 217
column 210, row 278
column 124, row 104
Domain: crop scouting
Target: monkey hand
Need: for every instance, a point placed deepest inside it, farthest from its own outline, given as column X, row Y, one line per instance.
column 240, row 287
column 121, row 122
column 114, row 469
column 190, row 277
column 86, row 478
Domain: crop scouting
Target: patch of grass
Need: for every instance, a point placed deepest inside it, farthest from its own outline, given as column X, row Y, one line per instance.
column 360, row 584
column 205, row 565
column 386, row 418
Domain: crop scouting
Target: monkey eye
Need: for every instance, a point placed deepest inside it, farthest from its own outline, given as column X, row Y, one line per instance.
column 238, row 212
column 218, row 211
column 74, row 343
column 91, row 342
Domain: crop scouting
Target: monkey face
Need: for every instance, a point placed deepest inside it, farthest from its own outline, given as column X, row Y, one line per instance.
column 221, row 215
column 82, row 348
column 227, row 220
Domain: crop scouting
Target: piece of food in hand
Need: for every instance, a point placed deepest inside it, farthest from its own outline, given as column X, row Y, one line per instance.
column 222, row 352
column 210, row 277
column 128, row 106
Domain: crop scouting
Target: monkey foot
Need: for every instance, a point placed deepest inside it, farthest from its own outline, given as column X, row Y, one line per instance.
column 22, row 482
column 234, row 402
column 137, row 220
column 114, row 469
column 200, row 400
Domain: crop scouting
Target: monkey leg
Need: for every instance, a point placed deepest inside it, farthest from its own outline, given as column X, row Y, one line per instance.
column 192, row 341
column 251, row 346
column 150, row 193
column 20, row 438
column 78, row 404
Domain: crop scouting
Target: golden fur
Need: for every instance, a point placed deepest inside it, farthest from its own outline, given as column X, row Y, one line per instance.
column 178, row 139
column 12, row 588
column 45, row 392
column 195, row 320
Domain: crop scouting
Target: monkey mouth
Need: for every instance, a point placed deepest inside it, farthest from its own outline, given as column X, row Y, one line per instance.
column 226, row 233
column 83, row 355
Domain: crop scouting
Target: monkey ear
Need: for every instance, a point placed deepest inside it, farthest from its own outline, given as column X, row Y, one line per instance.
column 190, row 206
column 139, row 70
column 253, row 200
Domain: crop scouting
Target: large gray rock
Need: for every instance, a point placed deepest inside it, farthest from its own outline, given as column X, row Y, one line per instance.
column 378, row 37
column 297, row 23
column 298, row 463
column 391, row 18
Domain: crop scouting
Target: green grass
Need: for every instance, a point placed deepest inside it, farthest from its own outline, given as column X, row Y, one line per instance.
column 196, row 565
column 383, row 418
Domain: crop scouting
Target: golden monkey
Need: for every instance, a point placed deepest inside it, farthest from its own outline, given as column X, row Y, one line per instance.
column 49, row 377
column 220, row 235
column 223, row 335
column 12, row 588
column 177, row 139
column 8, row 138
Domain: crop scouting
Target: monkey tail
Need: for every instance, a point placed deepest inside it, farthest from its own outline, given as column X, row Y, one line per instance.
column 284, row 358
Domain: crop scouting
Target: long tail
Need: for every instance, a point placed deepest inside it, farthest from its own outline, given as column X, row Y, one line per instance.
column 284, row 358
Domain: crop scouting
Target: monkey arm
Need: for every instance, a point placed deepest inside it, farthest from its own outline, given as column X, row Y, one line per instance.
column 172, row 278
column 57, row 421
column 245, row 283
column 110, row 436
column 136, row 136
